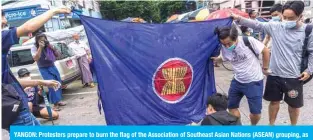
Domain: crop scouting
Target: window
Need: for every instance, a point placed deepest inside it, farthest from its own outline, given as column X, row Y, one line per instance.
column 52, row 3
column 92, row 5
column 64, row 2
column 20, row 58
column 64, row 50
column 238, row 7
column 307, row 3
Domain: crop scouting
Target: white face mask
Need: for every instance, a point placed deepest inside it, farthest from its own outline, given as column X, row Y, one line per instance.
column 276, row 19
column 290, row 24
column 26, row 78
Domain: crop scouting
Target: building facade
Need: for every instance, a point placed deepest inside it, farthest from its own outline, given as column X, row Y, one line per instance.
column 260, row 6
column 18, row 12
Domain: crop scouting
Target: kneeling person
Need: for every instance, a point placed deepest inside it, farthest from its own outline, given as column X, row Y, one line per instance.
column 242, row 52
column 216, row 112
column 33, row 98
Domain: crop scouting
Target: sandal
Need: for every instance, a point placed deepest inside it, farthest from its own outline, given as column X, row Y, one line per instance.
column 61, row 103
column 85, row 85
column 91, row 85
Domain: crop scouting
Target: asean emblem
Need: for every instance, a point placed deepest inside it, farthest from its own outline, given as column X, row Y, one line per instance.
column 293, row 94
column 172, row 80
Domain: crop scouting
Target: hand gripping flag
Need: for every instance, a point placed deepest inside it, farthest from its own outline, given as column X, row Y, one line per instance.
column 153, row 74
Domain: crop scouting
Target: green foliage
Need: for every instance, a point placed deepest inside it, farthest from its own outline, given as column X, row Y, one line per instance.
column 155, row 11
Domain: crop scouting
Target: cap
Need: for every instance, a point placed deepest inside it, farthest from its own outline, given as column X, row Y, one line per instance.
column 22, row 72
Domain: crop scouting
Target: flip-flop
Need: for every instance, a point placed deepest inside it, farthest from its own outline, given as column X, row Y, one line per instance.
column 62, row 104
column 86, row 85
column 92, row 85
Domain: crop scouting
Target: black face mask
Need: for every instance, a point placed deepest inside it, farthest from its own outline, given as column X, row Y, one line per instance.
column 46, row 43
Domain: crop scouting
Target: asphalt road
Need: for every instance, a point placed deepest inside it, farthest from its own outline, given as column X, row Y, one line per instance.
column 82, row 105
column 223, row 78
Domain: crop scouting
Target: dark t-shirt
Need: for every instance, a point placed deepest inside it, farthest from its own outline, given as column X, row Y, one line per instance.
column 9, row 38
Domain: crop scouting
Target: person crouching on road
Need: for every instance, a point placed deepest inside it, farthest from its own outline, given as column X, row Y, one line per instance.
column 45, row 55
column 217, row 112
column 33, row 97
column 81, row 49
column 248, row 79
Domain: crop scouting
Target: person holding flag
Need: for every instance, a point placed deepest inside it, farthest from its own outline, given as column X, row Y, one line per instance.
column 291, row 59
column 242, row 52
column 10, row 37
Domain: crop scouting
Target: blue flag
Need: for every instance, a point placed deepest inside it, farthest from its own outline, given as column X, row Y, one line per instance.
column 153, row 74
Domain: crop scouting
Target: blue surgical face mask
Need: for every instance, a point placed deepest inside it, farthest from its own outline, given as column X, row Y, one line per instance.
column 232, row 47
column 290, row 24
column 276, row 18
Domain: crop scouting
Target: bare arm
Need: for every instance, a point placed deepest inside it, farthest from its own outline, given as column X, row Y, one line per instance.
column 218, row 59
column 35, row 23
column 266, row 57
column 266, row 40
column 38, row 54
column 255, row 25
column 31, row 83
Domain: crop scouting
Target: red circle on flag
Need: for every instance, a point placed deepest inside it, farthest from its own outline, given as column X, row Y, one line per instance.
column 172, row 80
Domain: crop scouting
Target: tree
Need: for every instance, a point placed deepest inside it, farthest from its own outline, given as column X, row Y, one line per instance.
column 155, row 11
column 169, row 8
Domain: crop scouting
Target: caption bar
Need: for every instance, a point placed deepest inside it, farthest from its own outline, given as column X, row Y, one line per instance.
column 164, row 132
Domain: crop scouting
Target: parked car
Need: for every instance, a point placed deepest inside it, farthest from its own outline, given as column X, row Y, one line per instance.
column 20, row 57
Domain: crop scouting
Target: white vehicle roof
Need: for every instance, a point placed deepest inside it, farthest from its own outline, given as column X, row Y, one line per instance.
column 61, row 35
column 29, row 46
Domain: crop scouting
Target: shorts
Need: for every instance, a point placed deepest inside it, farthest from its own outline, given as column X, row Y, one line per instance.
column 276, row 87
column 36, row 110
column 253, row 92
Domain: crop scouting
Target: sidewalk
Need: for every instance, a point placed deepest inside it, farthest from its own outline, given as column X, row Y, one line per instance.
column 223, row 79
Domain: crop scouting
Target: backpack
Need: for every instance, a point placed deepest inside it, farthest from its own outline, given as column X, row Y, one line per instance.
column 248, row 44
column 305, row 53
column 11, row 104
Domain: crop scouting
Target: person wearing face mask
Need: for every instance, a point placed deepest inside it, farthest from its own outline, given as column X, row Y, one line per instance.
column 34, row 94
column 248, row 79
column 81, row 49
column 276, row 17
column 287, row 75
column 45, row 55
